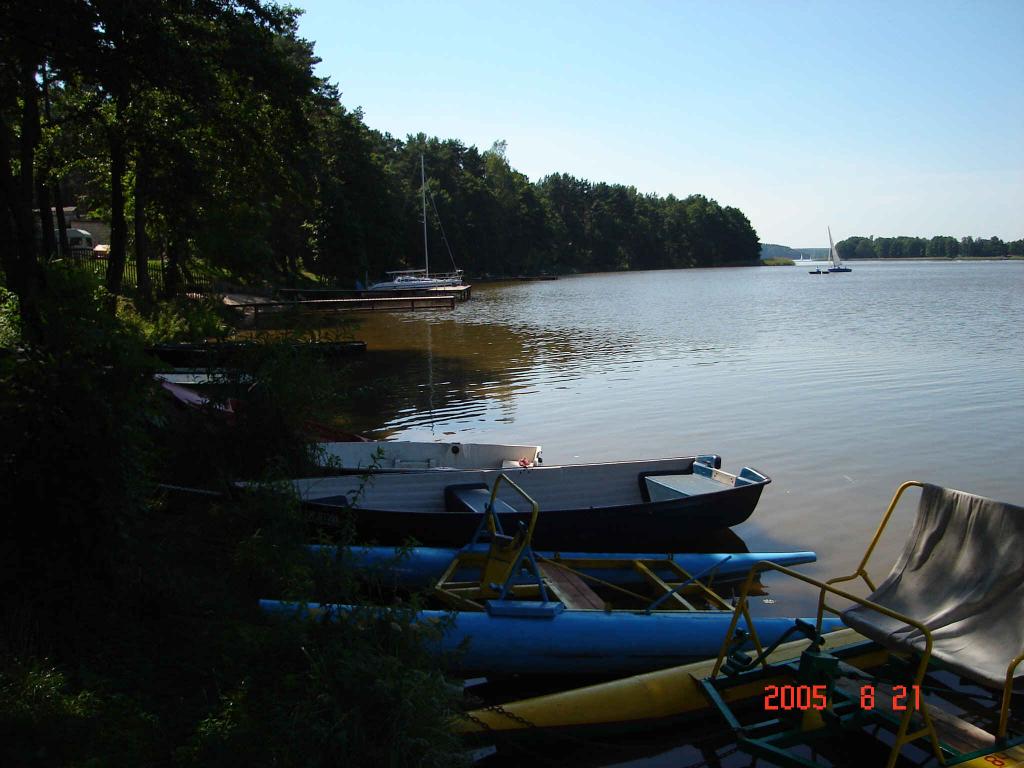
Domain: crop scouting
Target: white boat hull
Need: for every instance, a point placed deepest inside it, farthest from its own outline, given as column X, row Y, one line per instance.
column 402, row 455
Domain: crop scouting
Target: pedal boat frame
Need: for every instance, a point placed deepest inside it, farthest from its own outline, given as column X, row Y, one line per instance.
column 818, row 667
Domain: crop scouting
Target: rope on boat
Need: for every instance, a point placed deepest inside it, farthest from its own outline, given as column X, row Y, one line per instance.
column 444, row 238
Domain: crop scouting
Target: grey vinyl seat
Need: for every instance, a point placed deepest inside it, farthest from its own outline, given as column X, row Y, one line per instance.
column 961, row 575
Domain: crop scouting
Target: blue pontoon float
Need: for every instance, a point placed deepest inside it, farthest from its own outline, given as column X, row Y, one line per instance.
column 528, row 614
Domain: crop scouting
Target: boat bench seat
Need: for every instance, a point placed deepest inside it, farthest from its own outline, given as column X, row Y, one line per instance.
column 473, row 498
column 961, row 575
column 667, row 487
column 569, row 588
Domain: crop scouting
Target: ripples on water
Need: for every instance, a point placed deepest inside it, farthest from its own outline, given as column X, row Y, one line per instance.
column 838, row 386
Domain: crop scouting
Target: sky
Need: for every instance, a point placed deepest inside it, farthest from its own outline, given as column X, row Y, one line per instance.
column 874, row 118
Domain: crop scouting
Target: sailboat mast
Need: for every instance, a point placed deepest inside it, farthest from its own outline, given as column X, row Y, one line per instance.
column 833, row 256
column 423, row 198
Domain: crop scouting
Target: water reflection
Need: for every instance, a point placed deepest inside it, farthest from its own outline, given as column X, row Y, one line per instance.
column 839, row 389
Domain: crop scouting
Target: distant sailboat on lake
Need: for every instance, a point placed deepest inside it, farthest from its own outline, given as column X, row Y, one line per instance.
column 837, row 263
column 833, row 259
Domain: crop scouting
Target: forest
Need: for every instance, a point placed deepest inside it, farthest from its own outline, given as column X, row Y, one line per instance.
column 202, row 134
column 938, row 247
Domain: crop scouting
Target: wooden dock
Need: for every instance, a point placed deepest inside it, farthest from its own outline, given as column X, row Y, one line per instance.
column 459, row 292
column 256, row 309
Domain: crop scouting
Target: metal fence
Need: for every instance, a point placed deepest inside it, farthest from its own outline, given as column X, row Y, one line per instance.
column 189, row 280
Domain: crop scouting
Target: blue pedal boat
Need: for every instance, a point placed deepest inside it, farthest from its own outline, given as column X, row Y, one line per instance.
column 526, row 614
column 420, row 567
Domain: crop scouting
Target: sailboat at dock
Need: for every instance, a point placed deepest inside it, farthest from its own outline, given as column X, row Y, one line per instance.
column 421, row 279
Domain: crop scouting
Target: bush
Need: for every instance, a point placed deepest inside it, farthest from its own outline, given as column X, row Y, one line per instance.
column 129, row 627
column 181, row 319
column 10, row 322
column 45, row 722
column 75, row 454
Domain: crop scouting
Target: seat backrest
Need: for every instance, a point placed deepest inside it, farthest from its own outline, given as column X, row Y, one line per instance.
column 502, row 557
column 961, row 575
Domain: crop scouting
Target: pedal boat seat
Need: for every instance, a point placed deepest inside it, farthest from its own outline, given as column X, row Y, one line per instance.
column 961, row 575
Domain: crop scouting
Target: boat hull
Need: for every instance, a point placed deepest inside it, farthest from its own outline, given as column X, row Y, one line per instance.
column 408, row 456
column 635, row 527
column 648, row 700
column 421, row 567
column 585, row 508
column 573, row 642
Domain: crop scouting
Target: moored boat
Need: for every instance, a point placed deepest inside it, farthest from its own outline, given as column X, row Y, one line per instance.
column 420, row 567
column 572, row 642
column 948, row 626
column 420, row 279
column 632, row 506
column 417, row 280
column 404, row 455
column 523, row 614
column 647, row 700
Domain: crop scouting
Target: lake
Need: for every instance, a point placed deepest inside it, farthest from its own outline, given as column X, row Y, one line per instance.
column 839, row 387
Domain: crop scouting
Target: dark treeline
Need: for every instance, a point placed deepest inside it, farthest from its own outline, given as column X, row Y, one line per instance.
column 498, row 223
column 200, row 131
column 939, row 247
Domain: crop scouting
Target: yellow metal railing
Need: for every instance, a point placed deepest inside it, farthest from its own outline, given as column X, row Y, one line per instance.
column 492, row 515
column 902, row 737
column 496, row 565
column 829, row 588
column 861, row 568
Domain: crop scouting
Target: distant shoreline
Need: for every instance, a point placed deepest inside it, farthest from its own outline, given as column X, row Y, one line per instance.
column 1014, row 257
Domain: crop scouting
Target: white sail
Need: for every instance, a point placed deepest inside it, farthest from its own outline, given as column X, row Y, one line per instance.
column 833, row 254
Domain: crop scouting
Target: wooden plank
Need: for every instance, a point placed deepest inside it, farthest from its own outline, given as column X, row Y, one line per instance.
column 959, row 734
column 570, row 588
column 350, row 305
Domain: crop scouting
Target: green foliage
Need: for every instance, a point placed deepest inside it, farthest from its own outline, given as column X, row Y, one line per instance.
column 180, row 319
column 778, row 262
column 46, row 721
column 201, row 133
column 10, row 321
column 129, row 628
column 499, row 223
column 939, row 247
column 73, row 443
column 344, row 693
column 276, row 391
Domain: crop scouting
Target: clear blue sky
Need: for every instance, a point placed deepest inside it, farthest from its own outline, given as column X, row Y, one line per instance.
column 877, row 118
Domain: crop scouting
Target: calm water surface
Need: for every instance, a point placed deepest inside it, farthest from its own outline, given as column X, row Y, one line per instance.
column 839, row 387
